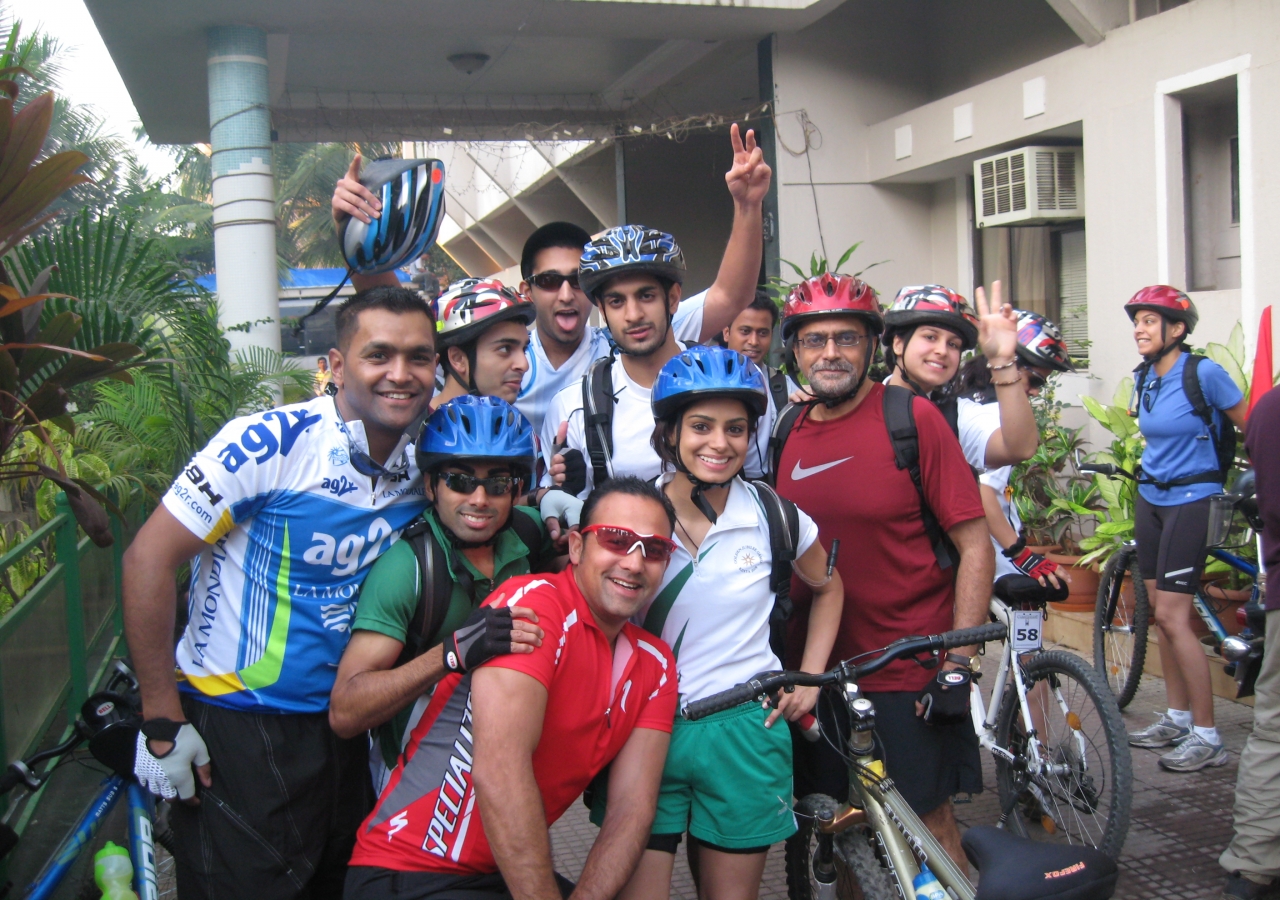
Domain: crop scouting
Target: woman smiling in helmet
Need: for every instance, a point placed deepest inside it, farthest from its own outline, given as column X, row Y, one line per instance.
column 727, row 777
column 926, row 330
column 1180, row 471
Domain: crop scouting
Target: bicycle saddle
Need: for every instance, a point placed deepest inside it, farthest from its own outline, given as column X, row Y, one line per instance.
column 1015, row 868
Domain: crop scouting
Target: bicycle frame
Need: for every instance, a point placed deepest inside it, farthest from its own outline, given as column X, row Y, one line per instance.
column 903, row 838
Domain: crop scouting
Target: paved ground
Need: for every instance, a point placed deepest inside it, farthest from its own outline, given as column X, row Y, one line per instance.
column 1180, row 823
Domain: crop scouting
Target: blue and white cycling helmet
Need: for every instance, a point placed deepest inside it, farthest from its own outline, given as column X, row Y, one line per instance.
column 700, row 372
column 627, row 250
column 476, row 428
column 412, row 195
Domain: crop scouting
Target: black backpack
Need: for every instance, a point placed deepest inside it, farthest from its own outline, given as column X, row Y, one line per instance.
column 783, row 520
column 436, row 579
column 778, row 388
column 597, row 416
column 1223, row 436
column 900, row 423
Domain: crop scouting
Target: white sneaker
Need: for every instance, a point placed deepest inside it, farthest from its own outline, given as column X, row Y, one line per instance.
column 1193, row 754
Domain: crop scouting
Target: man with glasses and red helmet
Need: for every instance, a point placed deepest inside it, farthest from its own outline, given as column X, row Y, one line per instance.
column 838, row 461
column 1180, row 401
column 482, row 336
column 280, row 517
column 504, row 749
column 419, row 616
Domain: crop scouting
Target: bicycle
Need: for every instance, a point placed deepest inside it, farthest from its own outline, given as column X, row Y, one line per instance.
column 1061, row 753
column 109, row 721
column 1122, row 617
column 874, row 839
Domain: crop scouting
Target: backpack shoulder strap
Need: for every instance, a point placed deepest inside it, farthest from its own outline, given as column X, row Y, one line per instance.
column 1195, row 393
column 949, row 406
column 597, row 412
column 783, row 520
column 900, row 422
column 435, row 589
column 787, row 417
column 530, row 534
column 778, row 388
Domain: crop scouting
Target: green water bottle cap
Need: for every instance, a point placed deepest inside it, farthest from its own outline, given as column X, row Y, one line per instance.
column 111, row 849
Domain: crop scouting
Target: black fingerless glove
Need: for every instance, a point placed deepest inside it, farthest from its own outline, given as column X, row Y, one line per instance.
column 485, row 634
column 946, row 699
column 575, row 472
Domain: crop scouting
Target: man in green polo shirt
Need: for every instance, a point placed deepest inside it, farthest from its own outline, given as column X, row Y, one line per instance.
column 476, row 454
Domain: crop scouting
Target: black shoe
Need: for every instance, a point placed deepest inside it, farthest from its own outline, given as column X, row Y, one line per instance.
column 1240, row 888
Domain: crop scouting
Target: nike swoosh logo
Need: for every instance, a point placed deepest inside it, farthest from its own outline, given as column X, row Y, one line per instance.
column 801, row 472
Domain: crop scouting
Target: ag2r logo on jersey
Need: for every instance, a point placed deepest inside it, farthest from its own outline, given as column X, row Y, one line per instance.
column 261, row 442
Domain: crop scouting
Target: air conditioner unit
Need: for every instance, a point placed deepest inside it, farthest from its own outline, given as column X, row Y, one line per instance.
column 1029, row 186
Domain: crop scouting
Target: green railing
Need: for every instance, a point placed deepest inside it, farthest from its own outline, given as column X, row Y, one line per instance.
column 59, row 637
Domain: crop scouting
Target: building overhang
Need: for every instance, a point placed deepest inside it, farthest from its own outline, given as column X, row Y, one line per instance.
column 382, row 71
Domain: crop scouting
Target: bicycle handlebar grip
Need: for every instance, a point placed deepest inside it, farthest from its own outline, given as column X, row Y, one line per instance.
column 1100, row 468
column 735, row 696
column 980, row 634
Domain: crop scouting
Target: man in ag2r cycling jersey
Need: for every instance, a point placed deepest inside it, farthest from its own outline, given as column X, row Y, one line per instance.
column 280, row 517
column 502, row 751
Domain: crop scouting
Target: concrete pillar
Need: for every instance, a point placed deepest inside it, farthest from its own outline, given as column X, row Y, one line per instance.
column 244, row 223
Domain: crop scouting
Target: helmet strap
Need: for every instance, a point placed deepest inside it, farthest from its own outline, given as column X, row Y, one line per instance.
column 697, row 496
column 857, row 385
column 1165, row 347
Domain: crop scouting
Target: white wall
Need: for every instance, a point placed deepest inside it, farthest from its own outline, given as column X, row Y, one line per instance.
column 906, row 209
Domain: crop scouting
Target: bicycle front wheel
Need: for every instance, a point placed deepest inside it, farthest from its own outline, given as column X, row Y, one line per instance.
column 850, row 853
column 1081, row 789
column 1120, row 621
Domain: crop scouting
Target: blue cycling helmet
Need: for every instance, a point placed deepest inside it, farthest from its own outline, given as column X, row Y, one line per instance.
column 629, row 250
column 412, row 195
column 475, row 428
column 701, row 372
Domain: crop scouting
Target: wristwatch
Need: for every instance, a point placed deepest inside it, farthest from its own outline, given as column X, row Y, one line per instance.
column 972, row 663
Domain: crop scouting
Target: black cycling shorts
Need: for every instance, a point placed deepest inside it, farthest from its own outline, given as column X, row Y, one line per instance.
column 929, row 763
column 1171, row 543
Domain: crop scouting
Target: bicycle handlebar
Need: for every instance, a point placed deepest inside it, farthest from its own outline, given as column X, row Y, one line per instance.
column 767, row 683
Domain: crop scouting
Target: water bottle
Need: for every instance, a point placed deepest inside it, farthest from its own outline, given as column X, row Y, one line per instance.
column 927, row 886
column 113, row 873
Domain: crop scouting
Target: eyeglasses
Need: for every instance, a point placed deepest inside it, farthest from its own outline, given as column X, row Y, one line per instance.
column 364, row 463
column 817, row 341
column 1149, row 394
column 1035, row 381
column 551, row 281
column 624, row 541
column 462, row 483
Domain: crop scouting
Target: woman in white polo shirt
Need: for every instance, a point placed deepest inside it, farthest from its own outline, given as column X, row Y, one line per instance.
column 727, row 779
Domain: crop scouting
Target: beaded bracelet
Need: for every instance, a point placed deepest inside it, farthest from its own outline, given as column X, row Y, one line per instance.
column 1009, row 365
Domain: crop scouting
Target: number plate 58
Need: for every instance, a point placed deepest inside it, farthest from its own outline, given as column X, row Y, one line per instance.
column 1028, row 630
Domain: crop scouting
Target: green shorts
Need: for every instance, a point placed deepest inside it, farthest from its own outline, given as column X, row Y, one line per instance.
column 727, row 781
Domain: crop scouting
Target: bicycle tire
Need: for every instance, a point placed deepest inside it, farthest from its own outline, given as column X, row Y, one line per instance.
column 1119, row 656
column 1091, row 802
column 855, row 860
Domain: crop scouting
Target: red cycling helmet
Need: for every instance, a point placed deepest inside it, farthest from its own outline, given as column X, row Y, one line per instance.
column 1169, row 302
column 478, row 307
column 1040, row 343
column 933, row 304
column 829, row 294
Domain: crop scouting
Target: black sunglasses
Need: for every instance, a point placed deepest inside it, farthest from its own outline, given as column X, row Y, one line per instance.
column 462, row 483
column 551, row 281
column 360, row 461
column 1149, row 394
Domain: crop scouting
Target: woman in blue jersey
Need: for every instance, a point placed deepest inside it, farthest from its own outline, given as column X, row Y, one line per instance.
column 1180, row 471
column 727, row 779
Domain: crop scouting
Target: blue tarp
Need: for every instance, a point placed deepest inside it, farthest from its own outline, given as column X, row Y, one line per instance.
column 299, row 278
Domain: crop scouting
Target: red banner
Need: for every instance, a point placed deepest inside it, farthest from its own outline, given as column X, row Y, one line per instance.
column 1262, row 369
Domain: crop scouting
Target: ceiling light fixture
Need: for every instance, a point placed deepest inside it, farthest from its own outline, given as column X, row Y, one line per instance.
column 469, row 62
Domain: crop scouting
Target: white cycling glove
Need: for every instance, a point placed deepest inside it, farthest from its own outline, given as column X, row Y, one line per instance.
column 170, row 776
column 559, row 504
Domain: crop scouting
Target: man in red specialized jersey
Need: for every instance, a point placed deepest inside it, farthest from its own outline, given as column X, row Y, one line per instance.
column 502, row 751
column 839, row 461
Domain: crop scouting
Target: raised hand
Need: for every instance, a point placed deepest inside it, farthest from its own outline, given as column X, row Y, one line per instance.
column 351, row 198
column 997, row 326
column 748, row 179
